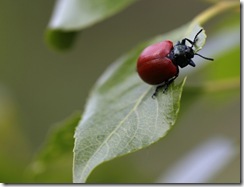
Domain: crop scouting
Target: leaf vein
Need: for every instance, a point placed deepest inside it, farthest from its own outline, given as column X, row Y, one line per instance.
column 114, row 131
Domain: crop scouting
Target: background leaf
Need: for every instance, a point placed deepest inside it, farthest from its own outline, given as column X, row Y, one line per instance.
column 59, row 39
column 14, row 153
column 121, row 116
column 55, row 154
column 74, row 15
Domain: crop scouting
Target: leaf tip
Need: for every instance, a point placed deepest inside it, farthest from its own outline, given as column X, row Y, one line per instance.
column 60, row 40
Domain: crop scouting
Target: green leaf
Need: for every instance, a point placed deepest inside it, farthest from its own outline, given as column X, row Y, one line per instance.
column 121, row 116
column 55, row 154
column 59, row 39
column 74, row 15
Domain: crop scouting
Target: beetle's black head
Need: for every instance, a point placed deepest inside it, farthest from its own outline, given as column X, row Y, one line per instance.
column 182, row 55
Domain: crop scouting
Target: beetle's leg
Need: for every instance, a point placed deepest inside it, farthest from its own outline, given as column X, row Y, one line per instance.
column 186, row 39
column 156, row 90
column 167, row 83
column 191, row 42
column 192, row 63
column 165, row 86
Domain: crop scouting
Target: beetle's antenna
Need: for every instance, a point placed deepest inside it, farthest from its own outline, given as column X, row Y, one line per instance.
column 195, row 39
column 204, row 57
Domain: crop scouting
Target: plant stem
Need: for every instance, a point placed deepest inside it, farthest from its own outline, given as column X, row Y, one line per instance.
column 222, row 85
column 215, row 10
column 218, row 85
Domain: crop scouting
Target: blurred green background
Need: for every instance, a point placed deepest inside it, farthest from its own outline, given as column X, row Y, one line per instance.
column 40, row 86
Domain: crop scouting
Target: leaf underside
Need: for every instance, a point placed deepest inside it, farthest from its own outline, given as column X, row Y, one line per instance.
column 72, row 16
column 121, row 116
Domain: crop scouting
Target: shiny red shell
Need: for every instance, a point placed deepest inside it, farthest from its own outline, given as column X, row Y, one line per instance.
column 153, row 65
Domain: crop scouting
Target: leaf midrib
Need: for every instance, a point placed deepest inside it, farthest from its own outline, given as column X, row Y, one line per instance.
column 117, row 127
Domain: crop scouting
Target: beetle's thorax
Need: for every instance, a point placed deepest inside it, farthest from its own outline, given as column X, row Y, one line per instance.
column 181, row 54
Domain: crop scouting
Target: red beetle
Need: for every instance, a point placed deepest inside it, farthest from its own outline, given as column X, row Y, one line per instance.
column 158, row 63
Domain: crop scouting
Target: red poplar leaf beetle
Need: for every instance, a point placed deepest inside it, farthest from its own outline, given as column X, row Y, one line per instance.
column 159, row 63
